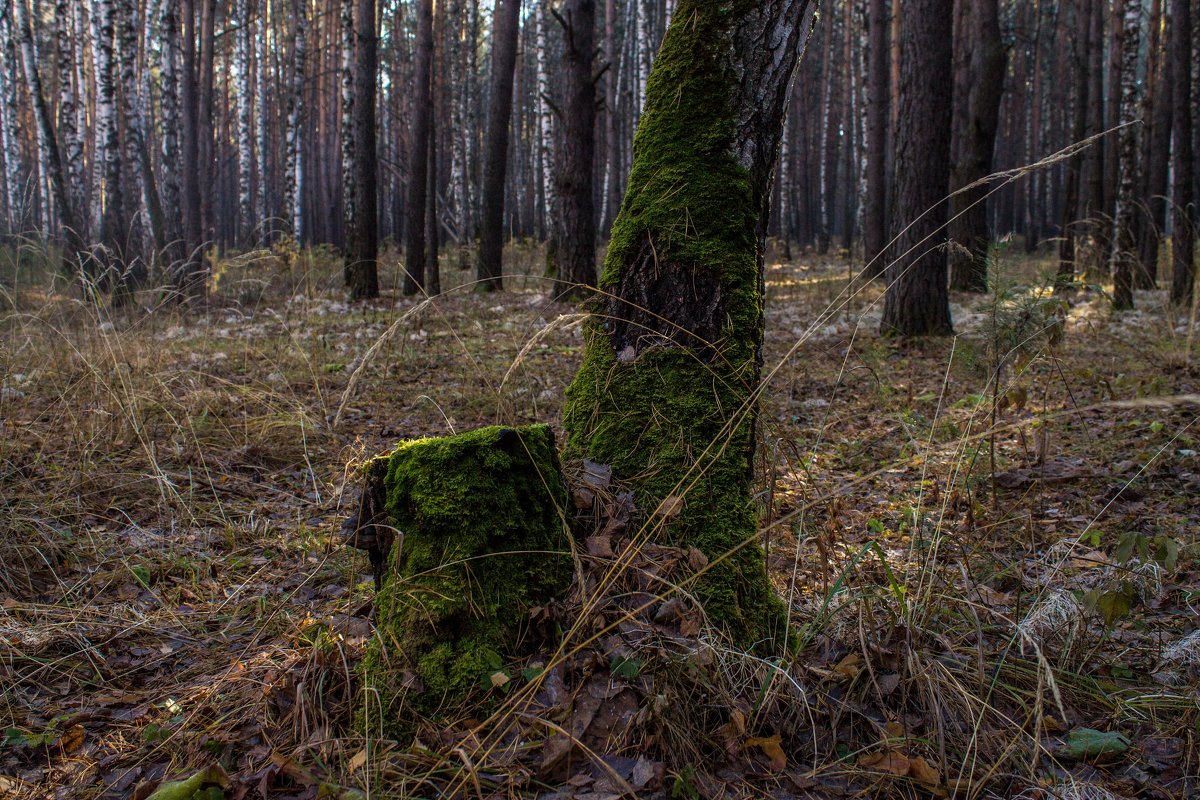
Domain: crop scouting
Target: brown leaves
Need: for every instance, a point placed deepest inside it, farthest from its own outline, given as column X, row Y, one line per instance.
column 894, row 762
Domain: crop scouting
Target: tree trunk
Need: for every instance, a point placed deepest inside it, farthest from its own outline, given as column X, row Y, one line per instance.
column 575, row 235
column 362, row 232
column 9, row 81
column 545, row 123
column 1073, row 207
column 189, row 281
column 414, row 249
column 294, row 177
column 968, row 259
column 505, row 25
column 46, row 137
column 1124, row 243
column 113, row 225
column 875, row 216
column 917, row 302
column 1183, row 273
column 137, row 147
column 72, row 142
column 1156, row 152
column 667, row 391
column 245, row 146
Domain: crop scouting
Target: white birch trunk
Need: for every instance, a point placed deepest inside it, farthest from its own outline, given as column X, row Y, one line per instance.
column 172, row 197
column 264, row 59
column 241, row 71
column 9, row 80
column 69, row 135
column 346, row 18
column 1124, row 245
column 294, row 181
column 545, row 118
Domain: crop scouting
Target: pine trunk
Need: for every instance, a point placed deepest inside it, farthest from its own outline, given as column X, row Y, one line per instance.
column 1124, row 243
column 362, row 231
column 917, row 302
column 1183, row 273
column 874, row 218
column 505, row 26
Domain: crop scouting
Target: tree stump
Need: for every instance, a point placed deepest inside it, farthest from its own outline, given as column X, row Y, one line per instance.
column 480, row 540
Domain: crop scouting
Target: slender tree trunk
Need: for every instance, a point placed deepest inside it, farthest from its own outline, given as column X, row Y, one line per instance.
column 1183, row 273
column 505, row 25
column 545, row 126
column 917, row 302
column 245, row 122
column 189, row 283
column 612, row 192
column 346, row 139
column 362, row 228
column 1095, row 213
column 46, row 136
column 1073, row 206
column 875, row 217
column 575, row 236
column 113, row 225
column 419, row 164
column 433, row 272
column 1112, row 143
column 1124, row 251
column 667, row 390
column 9, row 82
column 72, row 142
column 169, row 64
column 294, row 177
column 137, row 145
column 969, row 230
column 1156, row 151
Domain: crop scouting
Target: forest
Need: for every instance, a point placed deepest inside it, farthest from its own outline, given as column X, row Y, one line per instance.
column 599, row 399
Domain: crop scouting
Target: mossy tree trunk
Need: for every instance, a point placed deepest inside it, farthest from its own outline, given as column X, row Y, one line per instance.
column 667, row 391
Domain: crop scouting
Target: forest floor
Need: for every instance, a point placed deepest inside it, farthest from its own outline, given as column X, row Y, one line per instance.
column 995, row 584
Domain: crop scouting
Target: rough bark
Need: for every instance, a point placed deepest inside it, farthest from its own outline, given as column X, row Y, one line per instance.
column 245, row 146
column 113, row 224
column 172, row 199
column 68, row 50
column 362, row 232
column 969, row 231
column 917, row 302
column 422, row 94
column 505, row 25
column 1156, row 151
column 667, row 389
column 137, row 148
column 1124, row 243
column 575, row 233
column 13, row 202
column 1183, row 273
column 1073, row 207
column 874, row 217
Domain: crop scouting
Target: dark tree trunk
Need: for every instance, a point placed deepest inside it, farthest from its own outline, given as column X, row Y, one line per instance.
column 1183, row 274
column 917, row 301
column 1156, row 154
column 575, row 218
column 1112, row 142
column 1124, row 243
column 414, row 240
column 362, row 235
column 1095, row 212
column 968, row 258
column 1073, row 207
column 878, row 91
column 505, row 26
column 667, row 390
column 189, row 280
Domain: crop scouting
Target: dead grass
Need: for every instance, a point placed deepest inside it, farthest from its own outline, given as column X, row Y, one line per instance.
column 171, row 592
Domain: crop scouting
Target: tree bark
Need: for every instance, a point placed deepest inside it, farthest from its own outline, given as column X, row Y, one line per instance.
column 667, row 391
column 362, row 231
column 1183, row 273
column 1073, row 206
column 1156, row 151
column 917, row 302
column 575, row 232
column 422, row 93
column 294, row 177
column 505, row 24
column 245, row 146
column 969, row 230
column 878, row 91
column 9, row 80
column 1124, row 244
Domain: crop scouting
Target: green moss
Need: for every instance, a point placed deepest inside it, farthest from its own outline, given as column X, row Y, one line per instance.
column 483, row 542
column 673, row 414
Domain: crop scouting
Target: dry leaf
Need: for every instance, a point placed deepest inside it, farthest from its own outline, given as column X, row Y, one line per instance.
column 850, row 666
column 72, row 739
column 770, row 747
column 924, row 773
column 670, row 507
column 359, row 760
column 890, row 761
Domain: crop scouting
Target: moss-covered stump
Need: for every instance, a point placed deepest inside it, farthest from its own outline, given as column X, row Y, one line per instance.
column 666, row 394
column 481, row 541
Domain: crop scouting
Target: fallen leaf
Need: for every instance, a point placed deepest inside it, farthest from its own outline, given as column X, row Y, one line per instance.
column 770, row 747
column 892, row 762
column 924, row 773
column 849, row 667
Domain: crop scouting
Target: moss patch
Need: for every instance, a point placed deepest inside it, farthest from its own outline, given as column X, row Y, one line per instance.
column 670, row 365
column 483, row 542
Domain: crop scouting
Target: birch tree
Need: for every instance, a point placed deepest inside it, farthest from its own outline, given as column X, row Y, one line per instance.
column 245, row 146
column 1124, row 251
column 293, row 172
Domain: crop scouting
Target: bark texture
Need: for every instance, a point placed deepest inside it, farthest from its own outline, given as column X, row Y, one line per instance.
column 875, row 213
column 917, row 301
column 505, row 24
column 1124, row 241
column 575, row 232
column 1183, row 272
column 666, row 393
column 362, row 232
column 414, row 243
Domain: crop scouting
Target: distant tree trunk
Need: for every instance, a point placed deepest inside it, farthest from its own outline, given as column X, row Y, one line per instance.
column 293, row 184
column 46, row 136
column 418, row 182
column 346, row 128
column 969, row 231
column 575, row 236
column 917, row 302
column 207, row 138
column 189, row 282
column 9, row 82
column 545, row 126
column 1183, row 274
column 137, row 147
column 175, row 251
column 1156, row 151
column 878, row 91
column 611, row 194
column 1073, row 207
column 1124, row 251
column 113, row 225
column 1113, row 144
column 245, row 146
column 505, row 25
column 827, row 140
column 1095, row 213
column 362, row 232
column 72, row 142
column 433, row 271
column 666, row 393
column 268, row 209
